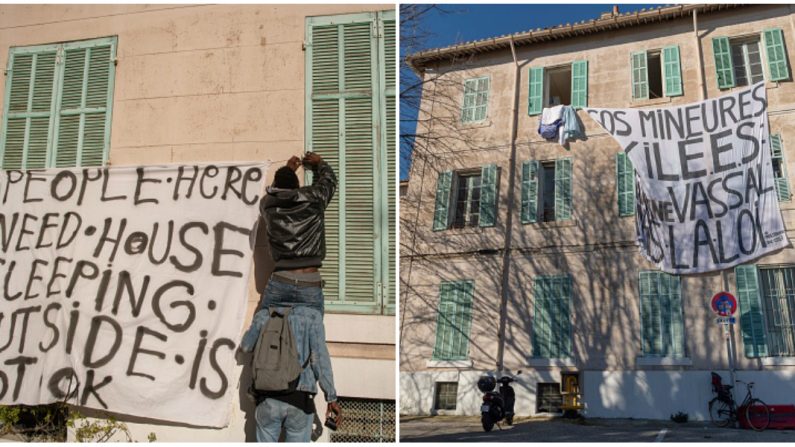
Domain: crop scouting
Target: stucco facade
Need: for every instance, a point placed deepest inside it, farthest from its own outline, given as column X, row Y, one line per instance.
column 595, row 248
column 198, row 83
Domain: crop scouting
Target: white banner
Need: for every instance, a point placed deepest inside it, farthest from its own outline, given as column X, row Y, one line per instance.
column 124, row 289
column 705, row 193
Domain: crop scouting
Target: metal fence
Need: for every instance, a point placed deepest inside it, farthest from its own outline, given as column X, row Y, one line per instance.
column 366, row 420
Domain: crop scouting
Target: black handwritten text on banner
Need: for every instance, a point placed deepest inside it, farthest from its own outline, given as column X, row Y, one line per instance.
column 706, row 198
column 124, row 289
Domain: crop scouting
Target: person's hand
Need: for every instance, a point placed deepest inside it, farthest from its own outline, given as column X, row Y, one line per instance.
column 312, row 159
column 334, row 408
column 294, row 163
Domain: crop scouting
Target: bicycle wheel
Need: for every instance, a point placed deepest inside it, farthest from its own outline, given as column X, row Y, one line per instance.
column 757, row 414
column 720, row 412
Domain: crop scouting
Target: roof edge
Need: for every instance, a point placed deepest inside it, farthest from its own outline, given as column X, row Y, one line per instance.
column 606, row 22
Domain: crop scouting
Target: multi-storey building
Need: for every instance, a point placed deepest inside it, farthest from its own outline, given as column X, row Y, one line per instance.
column 91, row 85
column 518, row 254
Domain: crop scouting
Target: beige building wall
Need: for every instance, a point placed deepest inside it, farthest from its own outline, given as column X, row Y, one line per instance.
column 201, row 83
column 596, row 247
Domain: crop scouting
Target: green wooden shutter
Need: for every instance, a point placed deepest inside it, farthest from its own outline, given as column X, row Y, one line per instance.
column 640, row 75
column 389, row 73
column 535, row 102
column 672, row 70
column 453, row 320
column 440, row 215
column 662, row 321
column 481, row 99
column 579, row 84
column 350, row 102
column 488, row 195
column 648, row 324
column 625, row 182
column 782, row 181
column 30, row 88
column 529, row 191
column 563, row 189
column 551, row 336
column 776, row 55
column 724, row 70
column 749, row 305
column 59, row 103
column 676, row 329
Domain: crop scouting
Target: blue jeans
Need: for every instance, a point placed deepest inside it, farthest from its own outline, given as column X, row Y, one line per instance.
column 279, row 293
column 271, row 414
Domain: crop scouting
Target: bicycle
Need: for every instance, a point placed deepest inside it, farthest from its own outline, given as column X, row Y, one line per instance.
column 723, row 409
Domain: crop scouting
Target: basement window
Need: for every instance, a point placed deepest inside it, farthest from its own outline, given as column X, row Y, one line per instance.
column 548, row 398
column 558, row 84
column 446, row 395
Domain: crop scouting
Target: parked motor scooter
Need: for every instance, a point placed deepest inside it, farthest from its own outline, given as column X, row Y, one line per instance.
column 497, row 405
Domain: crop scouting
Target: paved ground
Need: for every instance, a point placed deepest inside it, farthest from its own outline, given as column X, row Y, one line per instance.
column 468, row 429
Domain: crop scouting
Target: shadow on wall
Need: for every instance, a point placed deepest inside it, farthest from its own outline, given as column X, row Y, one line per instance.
column 596, row 248
column 263, row 268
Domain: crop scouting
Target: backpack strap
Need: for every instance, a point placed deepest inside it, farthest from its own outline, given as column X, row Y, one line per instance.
column 275, row 313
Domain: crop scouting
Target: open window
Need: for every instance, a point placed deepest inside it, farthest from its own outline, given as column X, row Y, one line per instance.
column 741, row 60
column 656, row 73
column 747, row 60
column 467, row 199
column 558, row 82
column 563, row 84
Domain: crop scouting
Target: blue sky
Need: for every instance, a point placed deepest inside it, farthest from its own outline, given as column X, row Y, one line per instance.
column 462, row 23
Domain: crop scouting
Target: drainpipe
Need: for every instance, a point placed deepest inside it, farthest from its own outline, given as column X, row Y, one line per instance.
column 702, row 85
column 506, row 251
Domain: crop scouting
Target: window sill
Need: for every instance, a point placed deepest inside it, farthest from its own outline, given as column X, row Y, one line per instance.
column 778, row 361
column 448, row 364
column 548, row 225
column 650, row 102
column 534, row 361
column 663, row 361
column 476, row 124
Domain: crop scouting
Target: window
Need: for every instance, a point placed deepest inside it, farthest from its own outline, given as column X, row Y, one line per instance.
column 625, row 185
column 548, row 86
column 466, row 198
column 558, row 85
column 548, row 398
column 350, row 91
column 58, row 109
column 454, row 317
column 551, row 337
column 778, row 303
column 662, row 327
column 766, row 308
column 779, row 168
column 476, row 100
column 739, row 60
column 366, row 420
column 656, row 73
column 546, row 190
column 747, row 61
column 446, row 395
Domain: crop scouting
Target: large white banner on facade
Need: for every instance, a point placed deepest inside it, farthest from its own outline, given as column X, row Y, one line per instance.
column 705, row 193
column 124, row 289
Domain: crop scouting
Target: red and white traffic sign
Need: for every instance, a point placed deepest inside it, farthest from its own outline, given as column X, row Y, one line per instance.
column 724, row 304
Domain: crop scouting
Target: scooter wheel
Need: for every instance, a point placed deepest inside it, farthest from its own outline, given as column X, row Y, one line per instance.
column 488, row 424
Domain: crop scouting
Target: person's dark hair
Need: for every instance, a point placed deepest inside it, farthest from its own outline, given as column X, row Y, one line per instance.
column 285, row 178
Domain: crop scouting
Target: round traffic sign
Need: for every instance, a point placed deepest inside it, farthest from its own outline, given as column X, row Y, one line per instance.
column 724, row 304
